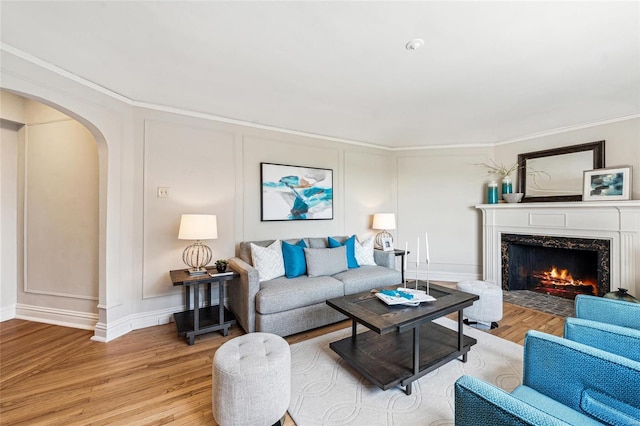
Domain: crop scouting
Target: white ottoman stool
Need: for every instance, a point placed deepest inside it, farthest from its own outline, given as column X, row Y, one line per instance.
column 251, row 380
column 486, row 311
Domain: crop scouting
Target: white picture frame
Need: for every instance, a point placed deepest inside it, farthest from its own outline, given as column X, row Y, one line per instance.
column 607, row 184
column 387, row 243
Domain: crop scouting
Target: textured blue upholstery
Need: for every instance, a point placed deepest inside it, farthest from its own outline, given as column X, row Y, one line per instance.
column 609, row 311
column 564, row 382
column 611, row 338
column 607, row 324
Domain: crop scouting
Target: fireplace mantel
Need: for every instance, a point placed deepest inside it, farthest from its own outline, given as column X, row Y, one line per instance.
column 618, row 222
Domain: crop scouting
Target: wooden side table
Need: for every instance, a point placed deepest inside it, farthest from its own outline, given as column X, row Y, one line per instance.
column 206, row 319
column 401, row 254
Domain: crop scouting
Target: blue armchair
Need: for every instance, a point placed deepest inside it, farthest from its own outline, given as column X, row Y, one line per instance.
column 607, row 324
column 564, row 383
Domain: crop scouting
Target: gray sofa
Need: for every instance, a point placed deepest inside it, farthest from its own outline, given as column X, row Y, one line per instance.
column 286, row 306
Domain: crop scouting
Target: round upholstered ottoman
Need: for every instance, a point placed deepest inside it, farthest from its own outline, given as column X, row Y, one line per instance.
column 251, row 380
column 487, row 311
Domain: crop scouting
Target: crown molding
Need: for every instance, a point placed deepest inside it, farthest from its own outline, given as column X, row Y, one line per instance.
column 212, row 117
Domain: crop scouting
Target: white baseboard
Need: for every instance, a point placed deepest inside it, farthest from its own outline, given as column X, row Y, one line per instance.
column 7, row 312
column 443, row 276
column 63, row 317
column 115, row 329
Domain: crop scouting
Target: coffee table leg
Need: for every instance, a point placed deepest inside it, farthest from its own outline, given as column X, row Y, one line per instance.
column 460, row 336
column 354, row 325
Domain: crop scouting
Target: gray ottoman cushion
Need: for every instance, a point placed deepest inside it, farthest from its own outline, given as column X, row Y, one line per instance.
column 251, row 380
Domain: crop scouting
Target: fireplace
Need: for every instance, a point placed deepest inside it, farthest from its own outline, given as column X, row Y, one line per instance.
column 558, row 266
column 610, row 229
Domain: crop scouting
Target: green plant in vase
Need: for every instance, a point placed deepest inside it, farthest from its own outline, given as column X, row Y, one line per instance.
column 221, row 265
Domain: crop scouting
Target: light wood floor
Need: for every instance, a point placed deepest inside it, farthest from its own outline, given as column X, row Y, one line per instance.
column 52, row 375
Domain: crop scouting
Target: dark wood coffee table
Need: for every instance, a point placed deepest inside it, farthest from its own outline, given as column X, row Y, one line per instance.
column 388, row 355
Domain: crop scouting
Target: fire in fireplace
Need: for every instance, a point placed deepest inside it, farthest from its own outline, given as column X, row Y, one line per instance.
column 558, row 266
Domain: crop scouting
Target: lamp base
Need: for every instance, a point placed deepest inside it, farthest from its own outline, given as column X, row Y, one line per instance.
column 195, row 272
column 197, row 256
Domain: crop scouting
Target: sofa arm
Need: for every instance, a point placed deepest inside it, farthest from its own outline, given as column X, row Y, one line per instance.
column 480, row 403
column 610, row 311
column 242, row 293
column 384, row 258
column 611, row 338
column 564, row 370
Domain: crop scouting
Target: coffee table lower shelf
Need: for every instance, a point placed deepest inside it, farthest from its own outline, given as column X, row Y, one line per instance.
column 387, row 360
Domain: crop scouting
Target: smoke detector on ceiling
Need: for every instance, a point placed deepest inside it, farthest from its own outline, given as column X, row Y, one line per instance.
column 415, row 44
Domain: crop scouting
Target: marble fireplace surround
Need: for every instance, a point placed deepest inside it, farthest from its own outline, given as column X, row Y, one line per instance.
column 617, row 222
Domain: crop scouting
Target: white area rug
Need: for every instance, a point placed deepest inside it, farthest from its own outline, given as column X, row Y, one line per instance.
column 327, row 391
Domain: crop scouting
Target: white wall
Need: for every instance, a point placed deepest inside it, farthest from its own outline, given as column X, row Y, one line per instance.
column 8, row 219
column 437, row 189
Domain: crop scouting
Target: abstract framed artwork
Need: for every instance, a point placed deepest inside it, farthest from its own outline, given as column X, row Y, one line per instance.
column 610, row 184
column 295, row 193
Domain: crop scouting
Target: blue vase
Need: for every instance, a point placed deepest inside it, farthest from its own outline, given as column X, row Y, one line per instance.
column 492, row 193
column 507, row 186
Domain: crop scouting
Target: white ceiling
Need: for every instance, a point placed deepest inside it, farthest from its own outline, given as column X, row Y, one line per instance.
column 489, row 72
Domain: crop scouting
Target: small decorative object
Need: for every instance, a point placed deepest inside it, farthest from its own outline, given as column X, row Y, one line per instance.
column 221, row 265
column 384, row 221
column 513, row 198
column 507, row 186
column 610, row 184
column 492, row 192
column 621, row 294
column 295, row 193
column 387, row 243
column 197, row 227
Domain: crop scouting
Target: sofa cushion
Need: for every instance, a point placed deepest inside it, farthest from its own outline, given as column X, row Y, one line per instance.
column 294, row 260
column 351, row 251
column 317, row 242
column 367, row 277
column 364, row 252
column 326, row 261
column 283, row 294
column 268, row 260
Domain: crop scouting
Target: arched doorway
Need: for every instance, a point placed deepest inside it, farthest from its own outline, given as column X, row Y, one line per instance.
column 57, row 200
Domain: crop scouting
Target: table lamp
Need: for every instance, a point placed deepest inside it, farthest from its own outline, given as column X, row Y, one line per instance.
column 197, row 227
column 383, row 221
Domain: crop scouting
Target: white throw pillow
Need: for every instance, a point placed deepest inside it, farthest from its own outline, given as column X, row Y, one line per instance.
column 364, row 252
column 268, row 260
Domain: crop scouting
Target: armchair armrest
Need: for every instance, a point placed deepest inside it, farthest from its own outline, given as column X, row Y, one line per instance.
column 478, row 402
column 567, row 371
column 622, row 341
column 610, row 311
column 242, row 293
column 384, row 258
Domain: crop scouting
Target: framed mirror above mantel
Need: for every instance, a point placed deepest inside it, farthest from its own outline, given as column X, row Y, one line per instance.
column 556, row 174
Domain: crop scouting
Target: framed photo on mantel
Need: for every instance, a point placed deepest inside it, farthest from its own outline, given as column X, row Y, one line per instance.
column 295, row 193
column 610, row 184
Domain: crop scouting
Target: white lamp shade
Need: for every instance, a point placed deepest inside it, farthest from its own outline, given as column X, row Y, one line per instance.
column 198, row 227
column 384, row 221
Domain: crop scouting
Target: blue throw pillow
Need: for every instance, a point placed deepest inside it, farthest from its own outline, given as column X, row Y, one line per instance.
column 294, row 261
column 351, row 250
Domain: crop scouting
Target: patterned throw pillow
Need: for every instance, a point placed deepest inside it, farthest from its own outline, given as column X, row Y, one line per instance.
column 268, row 260
column 364, row 252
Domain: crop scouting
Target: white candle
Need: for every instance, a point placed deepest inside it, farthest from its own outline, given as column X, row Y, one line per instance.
column 406, row 256
column 418, row 253
column 426, row 243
